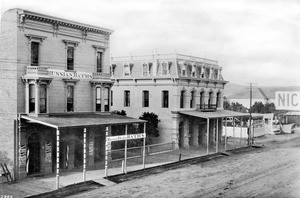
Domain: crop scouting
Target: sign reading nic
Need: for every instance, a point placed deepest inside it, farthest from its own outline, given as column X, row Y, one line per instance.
column 287, row 100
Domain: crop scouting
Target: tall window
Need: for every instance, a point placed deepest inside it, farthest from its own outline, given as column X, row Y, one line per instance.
column 127, row 98
column 165, row 99
column 111, row 98
column 99, row 62
column 106, row 99
column 201, row 99
column 70, row 98
column 127, row 69
column 192, row 99
column 43, row 98
column 70, row 58
column 145, row 69
column 34, row 53
column 182, row 99
column 145, row 98
column 31, row 98
column 210, row 95
column 218, row 100
column 98, row 99
column 164, row 68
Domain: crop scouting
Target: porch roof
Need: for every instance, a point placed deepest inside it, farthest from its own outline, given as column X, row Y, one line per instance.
column 62, row 121
column 214, row 114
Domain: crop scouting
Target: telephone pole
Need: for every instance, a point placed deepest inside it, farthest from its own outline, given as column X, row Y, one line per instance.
column 250, row 110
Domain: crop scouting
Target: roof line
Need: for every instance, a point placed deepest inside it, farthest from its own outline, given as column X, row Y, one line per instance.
column 40, row 122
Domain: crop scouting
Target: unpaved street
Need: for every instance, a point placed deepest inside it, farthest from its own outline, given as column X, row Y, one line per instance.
column 273, row 171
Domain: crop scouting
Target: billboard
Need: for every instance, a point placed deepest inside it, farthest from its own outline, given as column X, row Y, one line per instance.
column 287, row 100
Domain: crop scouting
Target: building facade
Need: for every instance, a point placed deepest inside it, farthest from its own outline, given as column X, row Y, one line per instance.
column 55, row 93
column 184, row 91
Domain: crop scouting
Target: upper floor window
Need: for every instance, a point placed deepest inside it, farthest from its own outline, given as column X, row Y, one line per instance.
column 193, row 71
column 43, row 98
column 127, row 69
column 106, row 98
column 192, row 100
column 70, row 58
column 98, row 99
column 126, row 98
column 112, row 69
column 31, row 98
column 35, row 53
column 182, row 99
column 99, row 62
column 70, row 98
column 111, row 98
column 145, row 98
column 165, row 99
column 166, row 67
column 207, row 72
column 147, row 68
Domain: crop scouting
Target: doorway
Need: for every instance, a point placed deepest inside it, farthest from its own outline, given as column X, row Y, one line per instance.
column 33, row 162
column 181, row 135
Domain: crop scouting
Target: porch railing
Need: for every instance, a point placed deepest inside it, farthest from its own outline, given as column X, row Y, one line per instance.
column 37, row 70
column 206, row 107
column 136, row 152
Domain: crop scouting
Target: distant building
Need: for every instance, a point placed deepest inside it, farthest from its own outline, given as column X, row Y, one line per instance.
column 186, row 93
column 55, row 93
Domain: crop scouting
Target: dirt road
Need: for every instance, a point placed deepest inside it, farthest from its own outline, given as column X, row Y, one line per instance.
column 273, row 171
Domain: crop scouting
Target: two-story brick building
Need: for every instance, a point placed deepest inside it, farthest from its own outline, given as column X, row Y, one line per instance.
column 55, row 93
column 186, row 93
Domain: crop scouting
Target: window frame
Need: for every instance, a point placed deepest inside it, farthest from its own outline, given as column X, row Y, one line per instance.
column 38, row 53
column 146, row 97
column 99, row 63
column 73, row 61
column 165, row 99
column 126, row 98
column 98, row 99
column 73, row 101
column 46, row 97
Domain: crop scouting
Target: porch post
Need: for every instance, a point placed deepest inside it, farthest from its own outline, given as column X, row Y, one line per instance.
column 125, row 163
column 84, row 154
column 241, row 132
column 144, row 146
column 217, row 138
column 57, row 159
column 225, row 133
column 233, row 123
column 106, row 152
column 207, row 132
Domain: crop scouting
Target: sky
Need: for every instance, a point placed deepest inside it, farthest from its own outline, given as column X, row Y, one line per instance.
column 254, row 41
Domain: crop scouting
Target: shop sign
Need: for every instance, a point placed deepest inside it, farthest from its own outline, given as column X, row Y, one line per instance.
column 125, row 137
column 22, row 157
column 287, row 100
column 48, row 152
column 69, row 74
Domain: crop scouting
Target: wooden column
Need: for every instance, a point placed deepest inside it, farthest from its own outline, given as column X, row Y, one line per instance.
column 57, row 159
column 144, row 150
column 106, row 152
column 225, row 134
column 207, row 132
column 84, row 155
column 241, row 132
column 125, row 158
column 233, row 123
column 217, row 134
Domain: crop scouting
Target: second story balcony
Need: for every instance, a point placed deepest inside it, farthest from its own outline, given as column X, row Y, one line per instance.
column 206, row 107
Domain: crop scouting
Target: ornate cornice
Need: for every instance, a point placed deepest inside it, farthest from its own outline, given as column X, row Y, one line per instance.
column 62, row 22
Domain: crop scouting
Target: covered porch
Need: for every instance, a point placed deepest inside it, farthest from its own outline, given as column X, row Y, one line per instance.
column 208, row 130
column 61, row 142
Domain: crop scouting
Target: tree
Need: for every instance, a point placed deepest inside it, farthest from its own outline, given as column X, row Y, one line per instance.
column 151, row 125
column 259, row 107
column 234, row 106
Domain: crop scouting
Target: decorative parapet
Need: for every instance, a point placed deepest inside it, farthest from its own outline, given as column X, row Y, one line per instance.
column 24, row 15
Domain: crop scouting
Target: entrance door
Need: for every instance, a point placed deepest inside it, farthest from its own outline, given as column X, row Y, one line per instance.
column 34, row 153
column 78, row 155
